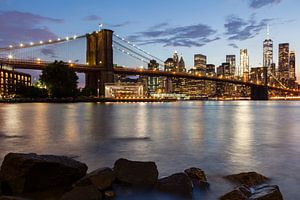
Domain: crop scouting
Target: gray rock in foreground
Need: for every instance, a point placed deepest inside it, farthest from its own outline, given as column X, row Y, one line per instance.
column 249, row 178
column 89, row 192
column 101, row 178
column 198, row 177
column 176, row 184
column 266, row 192
column 135, row 172
column 27, row 173
column 263, row 192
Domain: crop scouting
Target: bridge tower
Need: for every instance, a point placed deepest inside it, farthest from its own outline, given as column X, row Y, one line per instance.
column 99, row 53
column 260, row 92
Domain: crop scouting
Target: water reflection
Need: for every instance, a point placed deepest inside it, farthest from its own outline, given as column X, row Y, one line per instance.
column 219, row 137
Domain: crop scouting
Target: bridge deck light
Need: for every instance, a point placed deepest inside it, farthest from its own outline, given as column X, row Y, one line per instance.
column 75, row 36
column 10, row 46
column 70, row 61
column 31, row 43
column 41, row 42
column 10, row 56
column 58, row 39
column 21, row 45
column 67, row 38
column 50, row 41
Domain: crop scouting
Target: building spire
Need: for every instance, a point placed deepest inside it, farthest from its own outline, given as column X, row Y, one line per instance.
column 268, row 31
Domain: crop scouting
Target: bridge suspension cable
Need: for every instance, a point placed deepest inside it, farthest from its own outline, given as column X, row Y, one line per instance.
column 138, row 48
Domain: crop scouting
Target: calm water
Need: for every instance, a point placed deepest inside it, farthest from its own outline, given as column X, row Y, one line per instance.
column 219, row 137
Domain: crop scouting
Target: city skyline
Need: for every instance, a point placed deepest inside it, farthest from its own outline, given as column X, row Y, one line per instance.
column 241, row 24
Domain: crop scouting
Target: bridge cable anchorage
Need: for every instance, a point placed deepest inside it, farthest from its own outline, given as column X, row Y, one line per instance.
column 132, row 53
column 40, row 43
column 138, row 48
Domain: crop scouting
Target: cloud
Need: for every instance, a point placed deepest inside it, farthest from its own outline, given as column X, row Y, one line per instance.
column 18, row 26
column 181, row 36
column 240, row 29
column 261, row 3
column 126, row 23
column 92, row 18
column 233, row 45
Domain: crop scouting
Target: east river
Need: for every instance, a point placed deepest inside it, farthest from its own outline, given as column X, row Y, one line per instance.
column 220, row 137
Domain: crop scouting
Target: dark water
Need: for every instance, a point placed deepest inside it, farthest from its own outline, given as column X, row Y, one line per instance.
column 219, row 137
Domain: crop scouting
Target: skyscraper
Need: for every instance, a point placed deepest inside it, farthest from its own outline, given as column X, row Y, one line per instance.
column 244, row 65
column 283, row 61
column 200, row 63
column 181, row 65
column 232, row 62
column 268, row 53
column 153, row 82
column 292, row 65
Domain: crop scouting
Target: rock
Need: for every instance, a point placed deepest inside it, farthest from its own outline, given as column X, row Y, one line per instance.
column 198, row 177
column 249, row 179
column 263, row 192
column 109, row 194
column 266, row 192
column 101, row 178
column 89, row 192
column 11, row 198
column 240, row 193
column 27, row 173
column 136, row 173
column 177, row 184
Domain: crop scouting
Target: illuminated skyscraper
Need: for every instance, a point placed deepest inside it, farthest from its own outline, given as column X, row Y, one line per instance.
column 268, row 51
column 244, row 65
column 181, row 65
column 292, row 65
column 200, row 63
column 283, row 61
column 153, row 82
column 232, row 62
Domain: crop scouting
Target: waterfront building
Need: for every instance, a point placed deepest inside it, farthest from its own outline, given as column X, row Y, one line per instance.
column 210, row 70
column 10, row 79
column 124, row 90
column 292, row 66
column 169, row 65
column 231, row 59
column 244, row 65
column 200, row 64
column 153, row 83
column 283, row 62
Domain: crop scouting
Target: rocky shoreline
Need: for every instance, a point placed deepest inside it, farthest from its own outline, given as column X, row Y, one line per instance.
column 50, row 177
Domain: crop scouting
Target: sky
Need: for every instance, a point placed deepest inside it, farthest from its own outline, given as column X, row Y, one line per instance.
column 211, row 27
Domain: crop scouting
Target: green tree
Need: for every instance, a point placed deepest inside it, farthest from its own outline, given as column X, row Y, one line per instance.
column 60, row 80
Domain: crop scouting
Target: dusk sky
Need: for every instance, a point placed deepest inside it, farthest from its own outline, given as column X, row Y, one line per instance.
column 211, row 27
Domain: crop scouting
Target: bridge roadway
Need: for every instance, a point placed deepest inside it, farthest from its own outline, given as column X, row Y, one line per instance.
column 83, row 68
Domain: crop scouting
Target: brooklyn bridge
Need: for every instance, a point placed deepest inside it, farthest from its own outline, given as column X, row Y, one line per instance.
column 96, row 61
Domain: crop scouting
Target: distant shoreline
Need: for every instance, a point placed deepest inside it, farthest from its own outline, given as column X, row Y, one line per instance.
column 109, row 100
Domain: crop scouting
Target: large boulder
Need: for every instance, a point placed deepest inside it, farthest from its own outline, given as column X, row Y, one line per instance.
column 176, row 184
column 266, row 192
column 28, row 173
column 240, row 193
column 249, row 178
column 135, row 172
column 101, row 178
column 11, row 198
column 198, row 177
column 88, row 192
column 262, row 192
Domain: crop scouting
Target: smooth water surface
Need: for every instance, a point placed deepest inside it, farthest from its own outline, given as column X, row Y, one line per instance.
column 219, row 137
